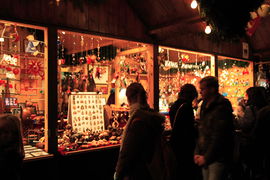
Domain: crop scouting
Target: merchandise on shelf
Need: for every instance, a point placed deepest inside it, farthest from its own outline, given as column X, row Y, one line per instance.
column 22, row 81
column 94, row 73
column 235, row 77
column 179, row 67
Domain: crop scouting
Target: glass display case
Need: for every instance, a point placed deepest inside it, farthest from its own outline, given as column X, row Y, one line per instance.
column 178, row 67
column 93, row 74
column 23, row 82
column 235, row 77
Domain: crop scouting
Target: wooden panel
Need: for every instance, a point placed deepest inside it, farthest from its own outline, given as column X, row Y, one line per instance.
column 112, row 17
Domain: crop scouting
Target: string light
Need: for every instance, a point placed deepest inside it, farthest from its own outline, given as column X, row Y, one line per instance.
column 194, row 4
column 207, row 29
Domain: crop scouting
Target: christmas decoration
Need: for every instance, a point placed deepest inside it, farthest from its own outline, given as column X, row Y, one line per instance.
column 228, row 19
column 32, row 45
column 35, row 68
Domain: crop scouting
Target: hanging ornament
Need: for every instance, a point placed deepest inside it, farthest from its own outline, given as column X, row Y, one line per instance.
column 34, row 68
column 98, row 51
column 16, row 71
column 32, row 45
column 98, row 72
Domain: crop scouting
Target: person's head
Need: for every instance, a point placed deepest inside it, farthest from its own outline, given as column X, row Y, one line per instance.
column 10, row 134
column 188, row 92
column 136, row 94
column 256, row 97
column 208, row 87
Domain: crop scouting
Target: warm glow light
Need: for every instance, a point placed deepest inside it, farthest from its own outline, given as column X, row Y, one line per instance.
column 194, row 4
column 207, row 29
column 2, row 39
column 63, row 32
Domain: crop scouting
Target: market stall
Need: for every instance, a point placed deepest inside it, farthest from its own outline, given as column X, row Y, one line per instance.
column 93, row 74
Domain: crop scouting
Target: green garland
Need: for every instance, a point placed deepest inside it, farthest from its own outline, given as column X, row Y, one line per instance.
column 229, row 63
column 228, row 18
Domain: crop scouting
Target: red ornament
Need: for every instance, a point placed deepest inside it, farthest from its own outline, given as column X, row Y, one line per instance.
column 184, row 60
column 8, row 69
column 16, row 71
column 2, row 82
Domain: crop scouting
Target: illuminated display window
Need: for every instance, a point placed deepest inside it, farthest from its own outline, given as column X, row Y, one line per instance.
column 178, row 67
column 235, row 77
column 23, row 82
column 93, row 74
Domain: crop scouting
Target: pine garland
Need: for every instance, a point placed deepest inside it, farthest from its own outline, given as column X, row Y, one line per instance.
column 228, row 18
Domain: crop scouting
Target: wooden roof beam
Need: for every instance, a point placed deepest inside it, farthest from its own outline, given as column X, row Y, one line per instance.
column 175, row 22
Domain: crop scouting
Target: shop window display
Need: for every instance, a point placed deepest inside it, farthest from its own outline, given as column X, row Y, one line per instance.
column 93, row 74
column 23, row 82
column 235, row 77
column 263, row 75
column 178, row 67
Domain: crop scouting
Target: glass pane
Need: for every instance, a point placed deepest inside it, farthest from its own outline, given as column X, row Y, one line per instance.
column 93, row 75
column 235, row 77
column 178, row 67
column 23, row 65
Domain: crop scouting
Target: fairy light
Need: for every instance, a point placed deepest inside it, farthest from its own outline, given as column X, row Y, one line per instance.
column 207, row 29
column 194, row 4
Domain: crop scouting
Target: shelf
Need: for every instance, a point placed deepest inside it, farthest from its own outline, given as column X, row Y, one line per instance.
column 91, row 149
column 141, row 75
column 235, row 86
column 10, row 79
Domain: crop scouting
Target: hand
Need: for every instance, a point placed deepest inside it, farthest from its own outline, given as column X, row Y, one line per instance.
column 115, row 176
column 200, row 160
column 195, row 158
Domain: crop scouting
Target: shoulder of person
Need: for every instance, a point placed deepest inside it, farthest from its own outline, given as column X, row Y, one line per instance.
column 148, row 116
column 224, row 102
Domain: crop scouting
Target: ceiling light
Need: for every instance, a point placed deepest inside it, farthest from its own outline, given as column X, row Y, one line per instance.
column 207, row 29
column 2, row 39
column 194, row 4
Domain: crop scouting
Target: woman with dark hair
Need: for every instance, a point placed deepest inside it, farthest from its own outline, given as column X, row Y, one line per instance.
column 142, row 131
column 256, row 100
column 11, row 147
column 247, row 123
column 183, row 138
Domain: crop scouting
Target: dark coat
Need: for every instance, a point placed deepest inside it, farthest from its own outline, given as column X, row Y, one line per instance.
column 216, row 133
column 138, row 145
column 11, row 147
column 183, row 138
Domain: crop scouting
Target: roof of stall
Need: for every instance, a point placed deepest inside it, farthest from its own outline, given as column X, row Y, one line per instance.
column 167, row 19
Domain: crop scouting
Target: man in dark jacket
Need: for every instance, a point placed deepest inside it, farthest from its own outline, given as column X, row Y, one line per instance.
column 215, row 143
column 142, row 132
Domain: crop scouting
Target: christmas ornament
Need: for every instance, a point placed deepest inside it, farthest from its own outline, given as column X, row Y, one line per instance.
column 35, row 68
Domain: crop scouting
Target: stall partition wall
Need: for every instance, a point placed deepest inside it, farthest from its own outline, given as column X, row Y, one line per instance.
column 24, row 81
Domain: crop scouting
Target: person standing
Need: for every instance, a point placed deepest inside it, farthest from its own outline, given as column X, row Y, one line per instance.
column 247, row 123
column 215, row 142
column 11, row 147
column 143, row 129
column 183, row 137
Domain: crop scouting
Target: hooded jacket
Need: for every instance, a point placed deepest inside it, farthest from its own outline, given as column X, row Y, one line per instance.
column 215, row 140
column 138, row 144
